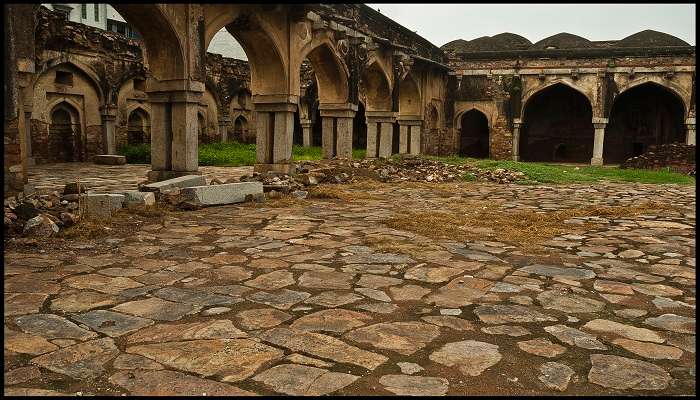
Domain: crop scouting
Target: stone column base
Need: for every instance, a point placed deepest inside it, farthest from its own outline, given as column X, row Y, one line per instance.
column 516, row 158
column 286, row 168
column 157, row 176
column 597, row 161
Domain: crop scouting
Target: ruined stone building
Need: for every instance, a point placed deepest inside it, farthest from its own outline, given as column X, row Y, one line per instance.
column 337, row 76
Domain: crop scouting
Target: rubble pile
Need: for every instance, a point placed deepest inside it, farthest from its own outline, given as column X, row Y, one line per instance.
column 310, row 173
column 42, row 215
column 678, row 157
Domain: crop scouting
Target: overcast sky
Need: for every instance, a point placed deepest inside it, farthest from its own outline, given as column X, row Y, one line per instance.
column 442, row 23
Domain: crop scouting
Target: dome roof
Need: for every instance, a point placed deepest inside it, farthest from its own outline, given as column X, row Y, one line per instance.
column 649, row 38
column 455, row 45
column 563, row 41
column 500, row 42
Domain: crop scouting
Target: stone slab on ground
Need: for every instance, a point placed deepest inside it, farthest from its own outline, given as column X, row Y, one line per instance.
column 179, row 182
column 103, row 204
column 109, row 159
column 221, row 194
column 134, row 197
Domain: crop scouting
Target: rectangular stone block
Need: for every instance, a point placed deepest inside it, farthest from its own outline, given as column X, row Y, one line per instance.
column 221, row 194
column 179, row 182
column 102, row 205
column 134, row 197
column 109, row 159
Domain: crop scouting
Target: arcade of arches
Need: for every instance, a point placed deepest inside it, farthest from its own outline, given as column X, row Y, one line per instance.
column 311, row 80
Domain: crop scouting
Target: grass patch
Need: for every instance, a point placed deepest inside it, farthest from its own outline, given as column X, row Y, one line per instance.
column 136, row 154
column 470, row 220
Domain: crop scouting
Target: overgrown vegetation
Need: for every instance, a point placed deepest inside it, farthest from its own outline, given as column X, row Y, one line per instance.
column 471, row 220
column 550, row 173
column 229, row 154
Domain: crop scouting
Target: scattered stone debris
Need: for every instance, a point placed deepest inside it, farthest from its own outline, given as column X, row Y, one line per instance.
column 678, row 157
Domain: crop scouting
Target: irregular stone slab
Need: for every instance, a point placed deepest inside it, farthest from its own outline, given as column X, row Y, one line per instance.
column 377, row 281
column 656, row 289
column 21, row 375
column 509, row 330
column 27, row 344
column 379, row 308
column 260, row 318
column 111, row 323
column 299, row 359
column 228, row 273
column 136, row 198
column 367, row 268
column 212, row 329
column 470, row 356
column 504, row 314
column 301, row 380
column 575, row 337
column 408, row 292
column 23, row 392
column 630, row 313
column 431, row 274
column 569, row 302
column 409, row 368
column 133, row 361
column 172, row 383
column 282, row 299
column 541, row 347
column 23, row 303
column 673, row 322
column 626, row 373
column 559, row 272
column 664, row 303
column 268, row 263
column 402, row 337
column 194, row 296
column 52, row 326
column 101, row 283
column 81, row 361
column 326, row 280
column 650, row 350
column 109, row 159
column 555, row 375
column 231, row 359
column 377, row 258
column 323, row 346
column 631, row 253
column 122, row 271
column 337, row 320
column 373, row 294
column 628, row 331
column 448, row 321
column 102, row 205
column 272, row 281
column 334, row 298
column 406, row 385
column 155, row 308
column 612, row 287
column 179, row 182
column 225, row 258
column 460, row 292
column 227, row 193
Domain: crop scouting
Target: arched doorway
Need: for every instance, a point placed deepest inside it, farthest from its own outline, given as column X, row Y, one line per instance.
column 240, row 130
column 557, row 126
column 138, row 127
column 644, row 115
column 474, row 136
column 359, row 128
column 64, row 134
column 202, row 129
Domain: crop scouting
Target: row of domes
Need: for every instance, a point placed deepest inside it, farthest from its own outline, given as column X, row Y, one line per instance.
column 510, row 41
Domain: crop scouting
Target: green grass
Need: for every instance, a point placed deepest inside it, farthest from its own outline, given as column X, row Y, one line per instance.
column 549, row 173
column 230, row 154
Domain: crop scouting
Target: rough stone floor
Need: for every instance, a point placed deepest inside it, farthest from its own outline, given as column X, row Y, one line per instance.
column 238, row 299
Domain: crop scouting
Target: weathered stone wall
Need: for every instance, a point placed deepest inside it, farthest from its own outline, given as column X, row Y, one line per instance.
column 676, row 156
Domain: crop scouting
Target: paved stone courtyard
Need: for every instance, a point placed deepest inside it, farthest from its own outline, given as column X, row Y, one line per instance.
column 295, row 300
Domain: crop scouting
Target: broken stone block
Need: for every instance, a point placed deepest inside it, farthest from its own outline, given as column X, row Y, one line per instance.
column 40, row 226
column 72, row 188
column 221, row 194
column 103, row 205
column 134, row 197
column 109, row 159
column 179, row 182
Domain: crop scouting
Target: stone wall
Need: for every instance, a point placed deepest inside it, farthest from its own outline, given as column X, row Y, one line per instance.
column 678, row 157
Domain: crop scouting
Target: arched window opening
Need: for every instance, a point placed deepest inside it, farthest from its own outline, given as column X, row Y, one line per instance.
column 64, row 134
column 474, row 136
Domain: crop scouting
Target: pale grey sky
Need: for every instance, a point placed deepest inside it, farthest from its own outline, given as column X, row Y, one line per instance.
column 442, row 23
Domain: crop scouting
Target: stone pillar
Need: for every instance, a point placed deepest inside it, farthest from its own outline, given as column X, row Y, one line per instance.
column 274, row 116
column 174, row 105
column 598, row 140
column 516, row 139
column 306, row 132
column 109, row 129
column 380, row 132
column 337, row 129
column 223, row 129
column 28, row 135
column 409, row 134
column 690, row 131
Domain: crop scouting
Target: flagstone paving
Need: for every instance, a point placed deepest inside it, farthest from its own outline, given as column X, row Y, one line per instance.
column 237, row 300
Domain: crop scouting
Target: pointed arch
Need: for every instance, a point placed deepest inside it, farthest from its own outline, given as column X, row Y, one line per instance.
column 331, row 72
column 377, row 87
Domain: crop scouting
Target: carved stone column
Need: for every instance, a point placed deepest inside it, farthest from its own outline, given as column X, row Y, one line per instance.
column 306, row 127
column 223, row 128
column 337, row 129
column 274, row 116
column 598, row 140
column 409, row 134
column 380, row 133
column 109, row 121
column 690, row 131
column 516, row 139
